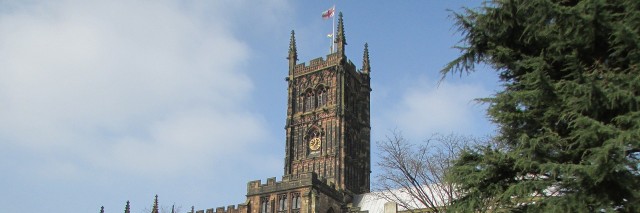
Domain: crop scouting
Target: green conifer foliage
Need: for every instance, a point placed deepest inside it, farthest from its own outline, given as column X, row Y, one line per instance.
column 569, row 110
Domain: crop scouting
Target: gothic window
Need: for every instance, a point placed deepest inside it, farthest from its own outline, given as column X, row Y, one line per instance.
column 321, row 96
column 312, row 99
column 303, row 102
column 318, row 98
column 300, row 104
column 309, row 99
column 295, row 201
column 264, row 204
column 282, row 203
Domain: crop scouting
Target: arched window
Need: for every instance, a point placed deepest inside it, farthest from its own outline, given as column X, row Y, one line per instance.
column 282, row 203
column 304, row 102
column 295, row 201
column 300, row 103
column 264, row 205
column 321, row 96
column 309, row 99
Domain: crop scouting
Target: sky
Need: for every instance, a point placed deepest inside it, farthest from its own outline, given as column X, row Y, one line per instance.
column 107, row 101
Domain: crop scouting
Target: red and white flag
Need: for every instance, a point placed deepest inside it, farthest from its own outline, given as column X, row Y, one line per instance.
column 328, row 13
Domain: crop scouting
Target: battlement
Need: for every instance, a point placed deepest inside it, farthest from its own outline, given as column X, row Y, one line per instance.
column 292, row 182
column 288, row 182
column 240, row 208
column 317, row 64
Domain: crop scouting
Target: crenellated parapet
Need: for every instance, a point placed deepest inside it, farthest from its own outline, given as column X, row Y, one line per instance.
column 332, row 60
column 293, row 182
column 317, row 64
column 240, row 208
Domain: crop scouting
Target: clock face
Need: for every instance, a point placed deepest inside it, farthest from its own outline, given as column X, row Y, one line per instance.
column 314, row 144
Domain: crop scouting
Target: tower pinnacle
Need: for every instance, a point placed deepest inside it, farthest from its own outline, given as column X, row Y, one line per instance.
column 341, row 41
column 155, row 205
column 293, row 53
column 127, row 208
column 366, row 67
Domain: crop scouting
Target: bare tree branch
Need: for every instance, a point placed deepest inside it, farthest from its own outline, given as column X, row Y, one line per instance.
column 413, row 175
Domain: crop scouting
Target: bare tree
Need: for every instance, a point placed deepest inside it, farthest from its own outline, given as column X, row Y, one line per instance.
column 413, row 175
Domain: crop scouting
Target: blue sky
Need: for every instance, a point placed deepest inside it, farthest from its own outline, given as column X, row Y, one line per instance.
column 107, row 101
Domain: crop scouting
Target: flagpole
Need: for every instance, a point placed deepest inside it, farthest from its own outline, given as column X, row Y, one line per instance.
column 333, row 30
column 330, row 43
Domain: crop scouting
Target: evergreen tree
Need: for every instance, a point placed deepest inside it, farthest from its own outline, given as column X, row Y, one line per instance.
column 569, row 110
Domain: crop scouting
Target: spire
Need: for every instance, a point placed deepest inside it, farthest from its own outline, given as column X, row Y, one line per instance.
column 127, row 208
column 101, row 209
column 366, row 67
column 173, row 208
column 193, row 209
column 341, row 41
column 155, row 205
column 293, row 53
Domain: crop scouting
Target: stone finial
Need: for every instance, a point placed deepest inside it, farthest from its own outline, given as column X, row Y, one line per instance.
column 366, row 67
column 293, row 52
column 101, row 209
column 293, row 55
column 127, row 208
column 155, row 205
column 341, row 41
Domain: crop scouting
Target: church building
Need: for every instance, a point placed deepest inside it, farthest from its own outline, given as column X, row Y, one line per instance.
column 327, row 158
column 327, row 151
column 327, row 162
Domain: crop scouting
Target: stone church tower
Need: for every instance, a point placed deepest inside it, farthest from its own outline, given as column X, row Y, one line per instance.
column 327, row 150
column 328, row 118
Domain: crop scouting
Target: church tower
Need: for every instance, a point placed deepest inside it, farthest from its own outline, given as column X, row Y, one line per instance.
column 328, row 124
column 327, row 150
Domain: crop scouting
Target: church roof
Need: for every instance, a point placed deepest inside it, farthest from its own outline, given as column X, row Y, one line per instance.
column 375, row 201
column 369, row 202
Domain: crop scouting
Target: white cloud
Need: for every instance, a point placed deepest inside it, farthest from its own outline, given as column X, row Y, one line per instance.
column 181, row 141
column 142, row 86
column 429, row 108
